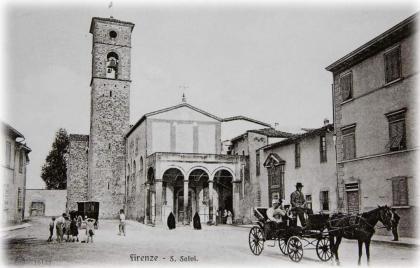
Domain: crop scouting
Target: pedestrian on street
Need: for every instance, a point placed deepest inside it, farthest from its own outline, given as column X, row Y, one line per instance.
column 122, row 223
column 59, row 226
column 229, row 217
column 74, row 230
column 90, row 225
column 66, row 230
column 395, row 219
column 51, row 225
column 224, row 216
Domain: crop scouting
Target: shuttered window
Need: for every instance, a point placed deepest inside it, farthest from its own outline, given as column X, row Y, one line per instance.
column 399, row 191
column 20, row 198
column 349, row 142
column 323, row 148
column 346, row 86
column 324, row 201
column 257, row 163
column 397, row 135
column 392, row 64
column 8, row 153
column 20, row 162
column 297, row 155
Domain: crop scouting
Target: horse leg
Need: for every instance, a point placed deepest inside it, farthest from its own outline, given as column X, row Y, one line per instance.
column 360, row 242
column 337, row 244
column 367, row 245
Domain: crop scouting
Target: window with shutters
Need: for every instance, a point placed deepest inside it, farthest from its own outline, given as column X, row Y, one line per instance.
column 323, row 148
column 8, row 153
column 392, row 60
column 324, row 201
column 399, row 191
column 20, row 162
column 20, row 198
column 297, row 155
column 257, row 163
column 349, row 142
column 346, row 86
column 308, row 199
column 397, row 135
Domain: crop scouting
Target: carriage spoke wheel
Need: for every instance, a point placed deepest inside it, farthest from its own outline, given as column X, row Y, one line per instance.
column 295, row 249
column 283, row 245
column 323, row 249
column 256, row 240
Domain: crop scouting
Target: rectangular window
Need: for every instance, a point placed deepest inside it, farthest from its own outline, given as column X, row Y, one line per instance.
column 392, row 60
column 20, row 198
column 349, row 142
column 8, row 153
column 397, row 135
column 324, row 200
column 323, row 148
column 257, row 163
column 308, row 199
column 297, row 155
column 346, row 86
column 399, row 191
column 20, row 162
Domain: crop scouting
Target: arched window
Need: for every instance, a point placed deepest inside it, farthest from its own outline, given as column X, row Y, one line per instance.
column 141, row 168
column 112, row 65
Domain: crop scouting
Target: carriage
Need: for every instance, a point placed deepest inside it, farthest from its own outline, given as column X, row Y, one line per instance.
column 292, row 239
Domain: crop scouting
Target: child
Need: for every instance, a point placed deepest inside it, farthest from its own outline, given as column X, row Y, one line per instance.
column 122, row 223
column 74, row 230
column 51, row 229
column 67, row 228
column 90, row 225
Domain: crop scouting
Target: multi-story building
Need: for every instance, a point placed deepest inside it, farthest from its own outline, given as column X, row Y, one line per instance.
column 13, row 159
column 308, row 158
column 375, row 108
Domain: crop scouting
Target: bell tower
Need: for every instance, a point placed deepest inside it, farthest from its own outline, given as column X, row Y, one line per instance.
column 109, row 114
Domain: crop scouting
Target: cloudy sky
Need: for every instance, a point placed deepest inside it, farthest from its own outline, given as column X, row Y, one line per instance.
column 266, row 61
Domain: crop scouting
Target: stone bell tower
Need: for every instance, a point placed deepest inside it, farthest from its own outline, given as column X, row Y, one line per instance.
column 109, row 115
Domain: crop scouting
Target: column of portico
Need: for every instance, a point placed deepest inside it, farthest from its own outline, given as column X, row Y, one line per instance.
column 211, row 199
column 146, row 204
column 158, row 203
column 185, row 202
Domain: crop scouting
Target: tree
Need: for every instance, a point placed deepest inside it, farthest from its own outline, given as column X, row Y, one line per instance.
column 54, row 171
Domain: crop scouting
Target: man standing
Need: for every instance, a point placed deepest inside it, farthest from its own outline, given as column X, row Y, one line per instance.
column 297, row 200
column 395, row 219
column 275, row 217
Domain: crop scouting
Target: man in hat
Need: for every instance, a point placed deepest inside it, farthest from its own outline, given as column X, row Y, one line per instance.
column 275, row 217
column 297, row 200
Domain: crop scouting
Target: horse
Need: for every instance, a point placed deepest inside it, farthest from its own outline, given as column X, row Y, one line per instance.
column 359, row 227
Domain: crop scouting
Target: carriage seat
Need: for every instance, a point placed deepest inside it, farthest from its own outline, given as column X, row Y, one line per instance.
column 261, row 215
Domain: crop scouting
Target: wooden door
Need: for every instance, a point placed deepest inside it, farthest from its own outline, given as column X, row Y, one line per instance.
column 353, row 202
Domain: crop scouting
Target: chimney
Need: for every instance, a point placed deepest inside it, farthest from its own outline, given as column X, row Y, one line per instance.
column 326, row 121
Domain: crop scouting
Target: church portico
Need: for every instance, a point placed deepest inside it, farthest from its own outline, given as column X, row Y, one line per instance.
column 187, row 183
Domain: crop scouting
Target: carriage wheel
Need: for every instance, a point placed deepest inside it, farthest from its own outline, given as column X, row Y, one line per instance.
column 323, row 249
column 256, row 240
column 283, row 245
column 295, row 249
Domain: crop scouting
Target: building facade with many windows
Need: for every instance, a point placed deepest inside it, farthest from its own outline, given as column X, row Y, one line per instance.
column 374, row 120
column 308, row 158
column 13, row 159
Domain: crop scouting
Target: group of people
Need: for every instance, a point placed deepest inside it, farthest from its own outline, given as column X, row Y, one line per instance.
column 224, row 216
column 70, row 226
column 276, row 213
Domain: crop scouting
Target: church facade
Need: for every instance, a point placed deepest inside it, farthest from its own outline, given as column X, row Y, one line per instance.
column 170, row 160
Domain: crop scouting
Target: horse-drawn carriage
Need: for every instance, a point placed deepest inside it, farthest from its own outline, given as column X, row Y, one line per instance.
column 292, row 239
column 322, row 232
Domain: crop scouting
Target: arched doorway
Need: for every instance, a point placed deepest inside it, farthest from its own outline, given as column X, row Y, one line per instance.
column 172, row 184
column 224, row 187
column 150, row 197
column 198, row 182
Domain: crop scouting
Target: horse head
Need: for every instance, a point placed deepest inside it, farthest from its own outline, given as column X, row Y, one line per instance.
column 385, row 216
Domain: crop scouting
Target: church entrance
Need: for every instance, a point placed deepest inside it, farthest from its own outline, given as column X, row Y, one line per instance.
column 224, row 187
column 181, row 212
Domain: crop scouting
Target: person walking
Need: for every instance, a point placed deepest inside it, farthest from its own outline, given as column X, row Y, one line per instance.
column 229, row 217
column 224, row 216
column 51, row 225
column 395, row 219
column 297, row 200
column 122, row 223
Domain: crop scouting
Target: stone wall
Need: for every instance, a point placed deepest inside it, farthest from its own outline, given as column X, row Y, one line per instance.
column 77, row 170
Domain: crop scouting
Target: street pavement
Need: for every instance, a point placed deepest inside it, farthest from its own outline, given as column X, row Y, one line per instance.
column 221, row 245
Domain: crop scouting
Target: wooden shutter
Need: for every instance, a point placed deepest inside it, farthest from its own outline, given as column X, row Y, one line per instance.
column 346, row 87
column 392, row 65
column 403, row 192
column 395, row 192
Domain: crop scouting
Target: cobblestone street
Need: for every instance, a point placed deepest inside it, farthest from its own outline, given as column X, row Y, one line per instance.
column 220, row 245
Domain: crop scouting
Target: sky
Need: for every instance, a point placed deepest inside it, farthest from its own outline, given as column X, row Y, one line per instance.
column 265, row 61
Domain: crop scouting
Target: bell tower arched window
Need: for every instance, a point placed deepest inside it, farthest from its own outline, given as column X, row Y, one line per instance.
column 112, row 65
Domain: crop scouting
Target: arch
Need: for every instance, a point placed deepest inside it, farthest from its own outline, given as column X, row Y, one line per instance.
column 112, row 65
column 172, row 174
column 181, row 169
column 223, row 168
column 198, row 167
column 141, row 165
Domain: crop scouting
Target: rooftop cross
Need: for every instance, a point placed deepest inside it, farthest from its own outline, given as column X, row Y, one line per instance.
column 184, row 87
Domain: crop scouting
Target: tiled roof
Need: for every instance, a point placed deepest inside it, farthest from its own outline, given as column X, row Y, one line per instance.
column 12, row 131
column 269, row 132
column 298, row 137
column 240, row 117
